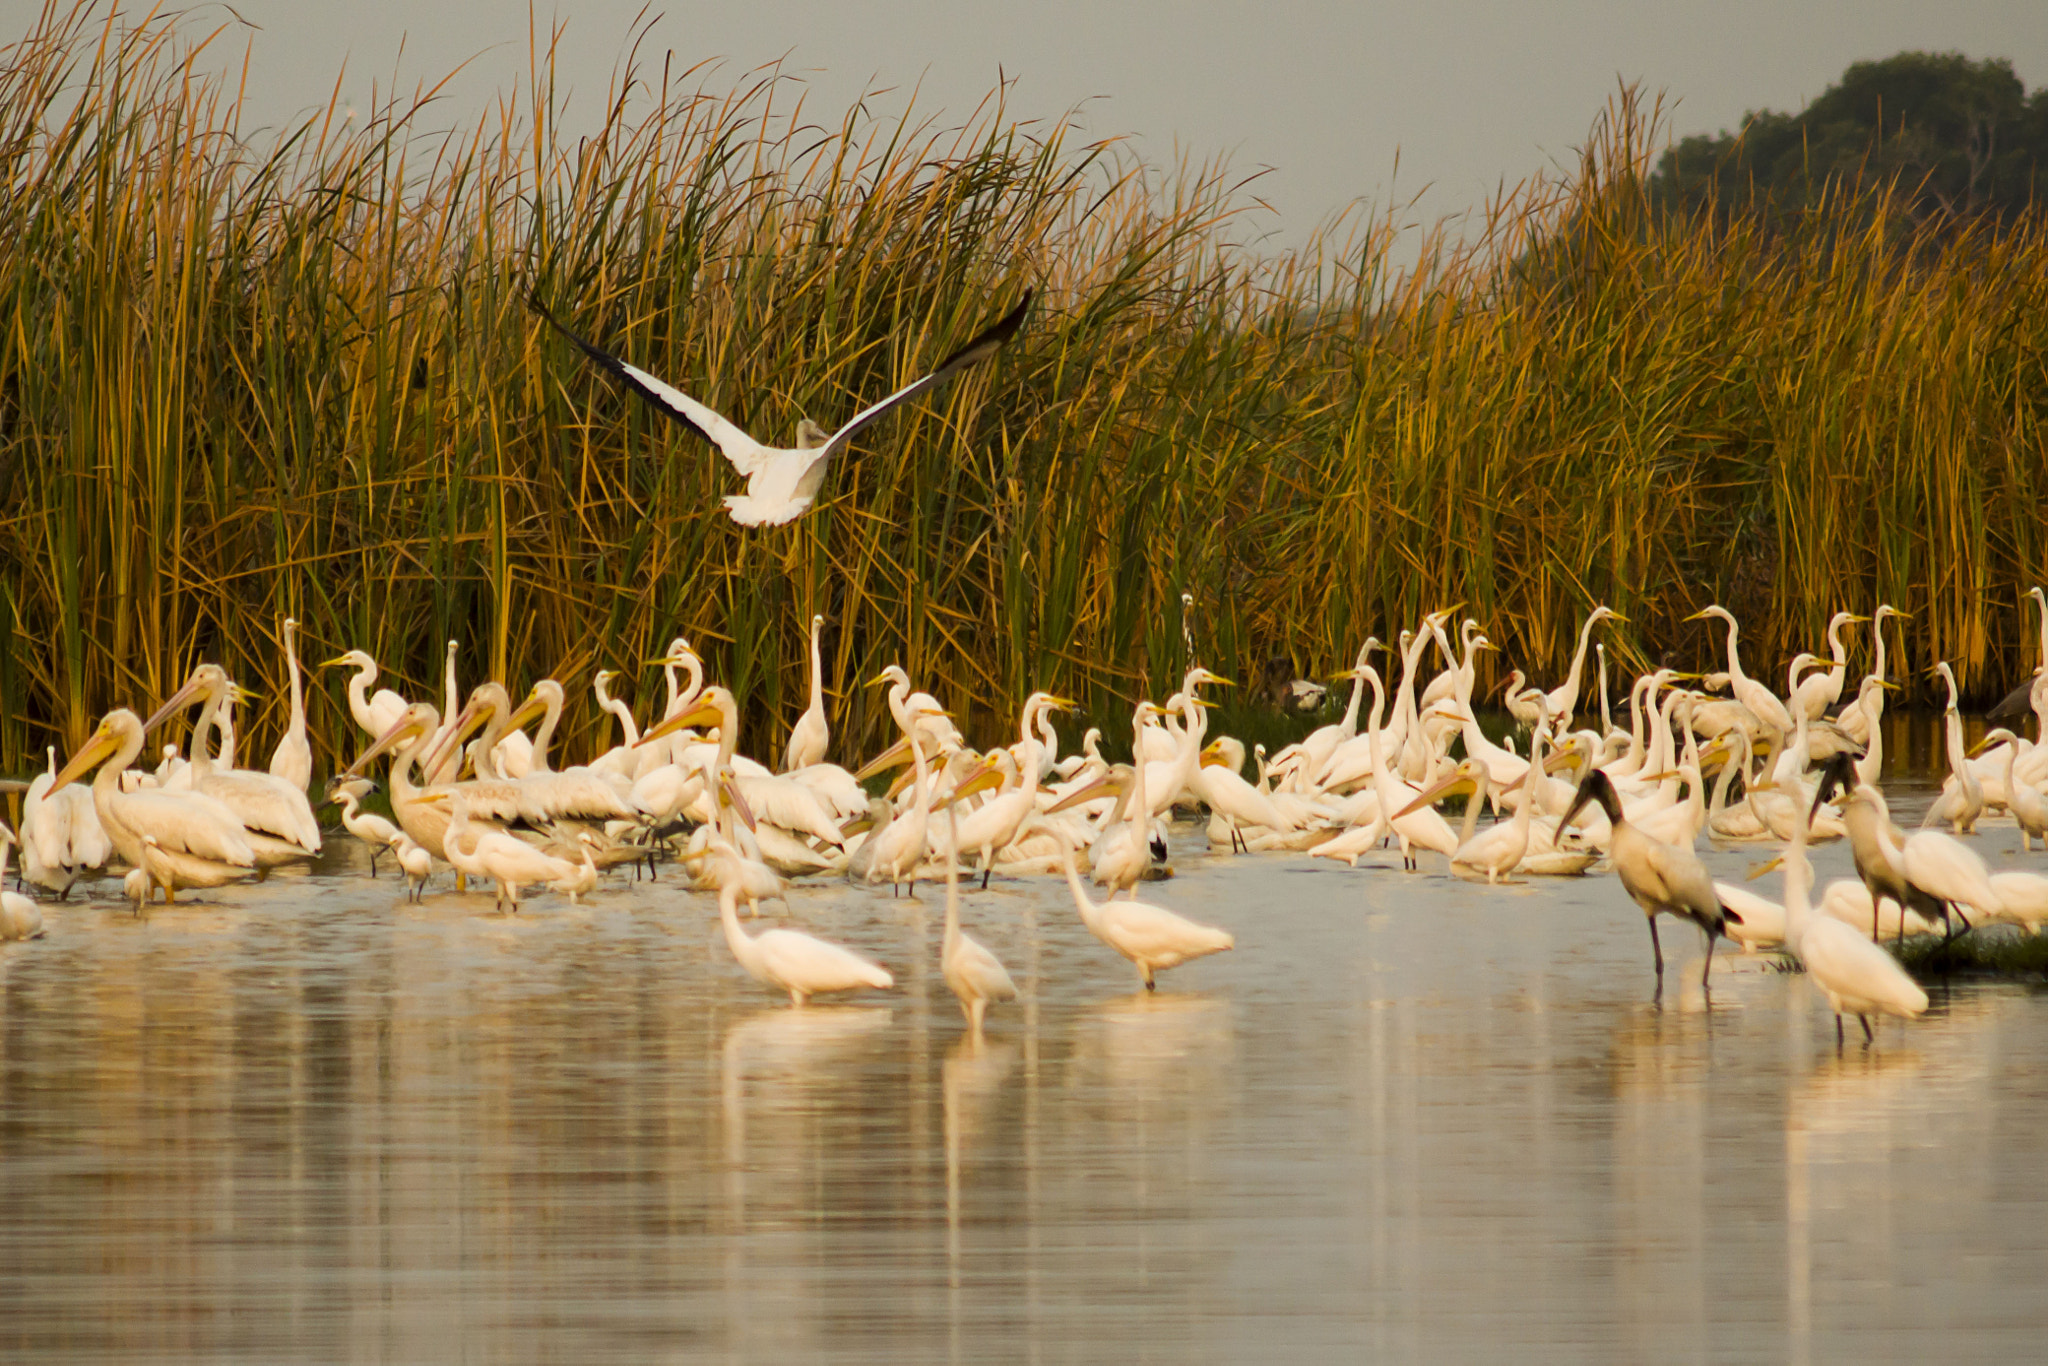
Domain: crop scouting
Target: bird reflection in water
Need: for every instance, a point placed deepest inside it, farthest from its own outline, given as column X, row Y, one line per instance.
column 972, row 1081
column 786, row 1055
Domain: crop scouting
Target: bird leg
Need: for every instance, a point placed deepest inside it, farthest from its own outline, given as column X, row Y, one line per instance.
column 1708, row 967
column 1838, row 1032
column 1656, row 951
column 1868, row 1037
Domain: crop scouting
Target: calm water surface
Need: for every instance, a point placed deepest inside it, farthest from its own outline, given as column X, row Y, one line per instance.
column 1409, row 1117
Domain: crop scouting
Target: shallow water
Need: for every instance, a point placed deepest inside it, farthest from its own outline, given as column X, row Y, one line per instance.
column 1408, row 1116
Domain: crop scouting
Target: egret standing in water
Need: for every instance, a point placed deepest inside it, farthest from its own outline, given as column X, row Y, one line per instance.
column 975, row 975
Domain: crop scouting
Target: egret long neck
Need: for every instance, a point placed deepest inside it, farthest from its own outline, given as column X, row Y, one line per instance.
column 545, row 736
column 817, row 673
column 291, row 659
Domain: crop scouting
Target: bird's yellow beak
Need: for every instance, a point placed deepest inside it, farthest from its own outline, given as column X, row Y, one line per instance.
column 532, row 707
column 1700, row 615
column 97, row 747
column 1459, row 781
column 729, row 793
column 1996, row 737
column 699, row 713
column 184, row 697
column 1766, row 867
column 894, row 756
column 986, row 778
column 401, row 729
column 1110, row 783
column 334, row 663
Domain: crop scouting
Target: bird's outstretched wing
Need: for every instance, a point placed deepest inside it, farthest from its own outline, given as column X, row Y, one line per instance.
column 745, row 453
column 984, row 345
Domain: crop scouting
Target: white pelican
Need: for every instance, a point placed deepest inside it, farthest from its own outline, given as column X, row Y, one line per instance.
column 1857, row 976
column 1494, row 851
column 292, row 760
column 782, row 484
column 374, row 714
column 811, row 736
column 1152, row 937
column 575, row 793
column 20, row 918
column 482, row 851
column 201, row 843
column 1662, row 879
column 788, row 960
column 1759, row 699
column 60, row 832
column 278, row 816
column 373, row 830
column 976, row 976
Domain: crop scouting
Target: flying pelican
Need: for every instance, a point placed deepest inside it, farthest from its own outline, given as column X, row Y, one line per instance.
column 977, row 977
column 1663, row 879
column 1152, row 937
column 1858, row 977
column 812, row 735
column 782, row 484
column 200, row 842
column 788, row 960
column 292, row 760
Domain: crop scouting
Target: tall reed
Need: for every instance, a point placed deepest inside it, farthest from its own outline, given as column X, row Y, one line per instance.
column 243, row 378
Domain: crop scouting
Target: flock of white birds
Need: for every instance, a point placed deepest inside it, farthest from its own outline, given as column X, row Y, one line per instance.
column 1729, row 760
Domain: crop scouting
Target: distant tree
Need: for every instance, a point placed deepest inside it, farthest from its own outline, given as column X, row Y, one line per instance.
column 1950, row 136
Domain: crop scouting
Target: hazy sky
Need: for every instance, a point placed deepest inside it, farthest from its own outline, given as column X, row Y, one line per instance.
column 1470, row 93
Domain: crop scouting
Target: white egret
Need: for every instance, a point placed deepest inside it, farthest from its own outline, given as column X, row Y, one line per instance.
column 1962, row 800
column 2028, row 807
column 1152, row 937
column 292, row 760
column 1822, row 689
column 782, row 484
column 1851, row 718
column 374, row 714
column 811, row 736
column 788, row 960
column 976, row 976
column 1754, row 695
column 1560, row 701
column 373, row 830
column 1857, row 976
column 416, row 862
column 482, row 851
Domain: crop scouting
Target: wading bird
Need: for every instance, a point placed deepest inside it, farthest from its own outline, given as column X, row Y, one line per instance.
column 1663, row 879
